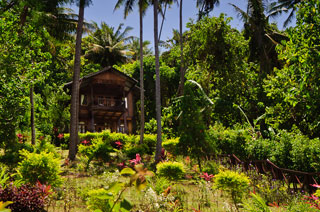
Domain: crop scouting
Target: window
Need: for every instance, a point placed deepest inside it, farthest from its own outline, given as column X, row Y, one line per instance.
column 82, row 127
column 101, row 100
column 84, row 100
column 121, row 128
column 108, row 102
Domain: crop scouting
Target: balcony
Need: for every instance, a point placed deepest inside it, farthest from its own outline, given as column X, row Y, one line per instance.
column 108, row 105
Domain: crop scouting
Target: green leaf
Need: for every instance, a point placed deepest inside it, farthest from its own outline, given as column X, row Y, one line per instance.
column 125, row 205
column 127, row 171
column 116, row 187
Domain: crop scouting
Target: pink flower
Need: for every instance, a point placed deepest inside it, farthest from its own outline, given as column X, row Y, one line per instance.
column 206, row 176
column 315, row 185
column 85, row 142
column 60, row 136
column 137, row 160
column 19, row 135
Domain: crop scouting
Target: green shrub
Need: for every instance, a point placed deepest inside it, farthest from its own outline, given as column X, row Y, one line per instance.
column 150, row 140
column 11, row 155
column 161, row 184
column 229, row 141
column 260, row 149
column 171, row 145
column 42, row 167
column 233, row 183
column 211, row 167
column 108, row 137
column 45, row 146
column 132, row 150
column 97, row 149
column 171, row 170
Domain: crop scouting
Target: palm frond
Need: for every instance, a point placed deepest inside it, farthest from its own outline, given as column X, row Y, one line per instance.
column 240, row 13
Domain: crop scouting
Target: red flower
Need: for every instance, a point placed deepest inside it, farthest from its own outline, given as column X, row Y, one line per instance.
column 119, row 144
column 206, row 176
column 60, row 136
column 19, row 135
column 85, row 142
column 137, row 160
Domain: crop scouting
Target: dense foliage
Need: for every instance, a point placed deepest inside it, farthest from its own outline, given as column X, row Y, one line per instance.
column 27, row 197
column 43, row 168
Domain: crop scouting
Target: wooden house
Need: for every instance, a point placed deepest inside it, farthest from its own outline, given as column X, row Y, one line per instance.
column 107, row 101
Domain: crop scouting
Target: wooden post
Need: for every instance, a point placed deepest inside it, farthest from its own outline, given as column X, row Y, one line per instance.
column 91, row 111
column 125, row 113
column 125, row 122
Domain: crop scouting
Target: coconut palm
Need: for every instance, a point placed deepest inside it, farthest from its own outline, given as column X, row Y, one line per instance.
column 75, row 85
column 58, row 20
column 285, row 6
column 107, row 45
column 142, row 4
column 255, row 26
column 206, row 6
column 134, row 47
column 158, row 93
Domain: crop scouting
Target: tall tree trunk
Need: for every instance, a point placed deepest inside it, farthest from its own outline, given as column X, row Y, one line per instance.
column 158, row 93
column 74, row 126
column 182, row 70
column 141, row 75
column 163, row 18
column 33, row 129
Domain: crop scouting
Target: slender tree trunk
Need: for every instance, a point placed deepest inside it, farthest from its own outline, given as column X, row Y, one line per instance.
column 75, row 89
column 163, row 18
column 182, row 70
column 158, row 92
column 23, row 16
column 33, row 129
column 141, row 75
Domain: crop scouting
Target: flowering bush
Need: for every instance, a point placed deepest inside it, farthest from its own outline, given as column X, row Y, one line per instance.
column 98, row 150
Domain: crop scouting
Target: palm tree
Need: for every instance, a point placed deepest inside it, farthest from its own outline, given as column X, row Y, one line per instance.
column 158, row 93
column 134, row 46
column 75, row 85
column 255, row 24
column 108, row 46
column 206, row 6
column 285, row 6
column 143, row 4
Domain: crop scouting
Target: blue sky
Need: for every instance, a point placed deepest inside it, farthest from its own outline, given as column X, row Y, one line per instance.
column 102, row 10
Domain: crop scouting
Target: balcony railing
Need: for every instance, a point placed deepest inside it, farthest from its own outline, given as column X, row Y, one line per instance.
column 108, row 104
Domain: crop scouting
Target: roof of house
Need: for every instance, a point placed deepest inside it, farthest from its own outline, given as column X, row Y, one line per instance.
column 106, row 69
